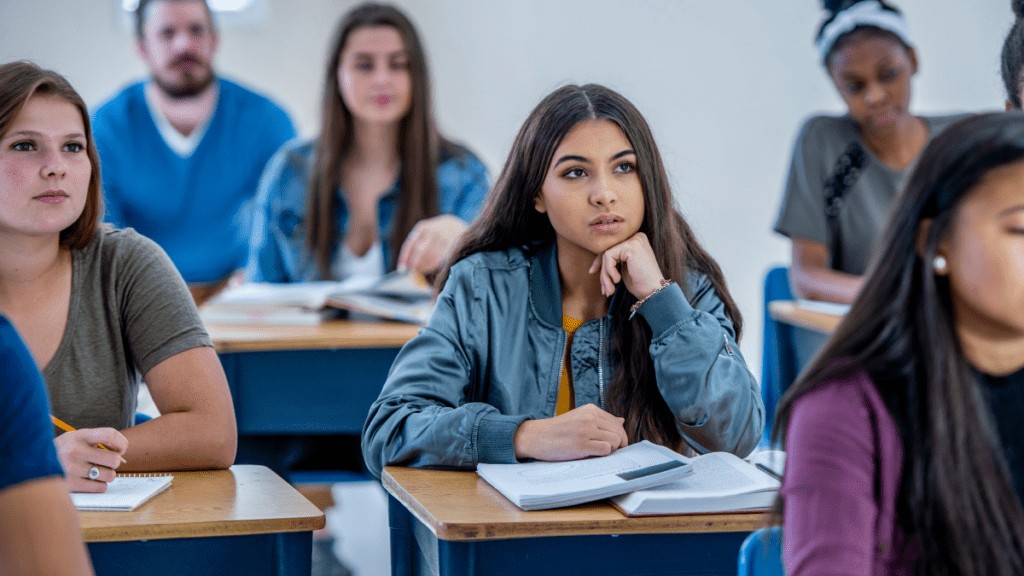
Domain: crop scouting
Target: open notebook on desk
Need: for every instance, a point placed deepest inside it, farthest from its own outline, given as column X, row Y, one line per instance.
column 126, row 493
column 720, row 482
column 400, row 296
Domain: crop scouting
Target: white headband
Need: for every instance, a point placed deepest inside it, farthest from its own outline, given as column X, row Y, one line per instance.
column 869, row 13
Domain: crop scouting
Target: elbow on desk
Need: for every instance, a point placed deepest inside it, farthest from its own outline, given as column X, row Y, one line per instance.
column 223, row 454
column 219, row 450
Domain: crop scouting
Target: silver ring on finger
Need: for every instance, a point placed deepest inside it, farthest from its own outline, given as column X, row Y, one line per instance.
column 94, row 473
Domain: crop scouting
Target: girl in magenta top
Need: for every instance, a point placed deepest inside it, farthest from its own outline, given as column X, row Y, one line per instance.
column 905, row 455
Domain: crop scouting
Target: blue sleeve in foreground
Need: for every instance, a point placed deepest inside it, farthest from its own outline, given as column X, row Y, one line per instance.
column 26, row 436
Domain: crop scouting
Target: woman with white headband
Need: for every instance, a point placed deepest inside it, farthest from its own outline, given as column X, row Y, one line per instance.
column 847, row 169
column 1013, row 58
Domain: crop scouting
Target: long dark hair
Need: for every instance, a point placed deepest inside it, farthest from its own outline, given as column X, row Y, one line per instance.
column 20, row 81
column 419, row 141
column 509, row 219
column 1013, row 55
column 956, row 496
column 834, row 7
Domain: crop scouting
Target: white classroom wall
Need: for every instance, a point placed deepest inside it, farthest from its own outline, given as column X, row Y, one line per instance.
column 724, row 83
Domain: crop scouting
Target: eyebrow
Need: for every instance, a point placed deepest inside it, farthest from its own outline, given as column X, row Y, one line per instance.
column 1010, row 210
column 395, row 54
column 34, row 133
column 574, row 158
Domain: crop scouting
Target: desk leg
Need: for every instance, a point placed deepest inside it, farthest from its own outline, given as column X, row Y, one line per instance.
column 806, row 343
column 403, row 545
column 279, row 554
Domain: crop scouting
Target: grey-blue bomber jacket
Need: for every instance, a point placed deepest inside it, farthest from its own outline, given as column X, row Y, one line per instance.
column 491, row 357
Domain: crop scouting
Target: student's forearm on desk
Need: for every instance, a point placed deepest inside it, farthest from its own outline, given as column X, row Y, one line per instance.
column 819, row 283
column 196, row 428
column 179, row 441
column 810, row 277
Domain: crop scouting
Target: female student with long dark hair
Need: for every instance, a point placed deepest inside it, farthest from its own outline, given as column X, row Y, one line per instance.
column 579, row 314
column 379, row 188
column 98, row 308
column 905, row 450
column 846, row 169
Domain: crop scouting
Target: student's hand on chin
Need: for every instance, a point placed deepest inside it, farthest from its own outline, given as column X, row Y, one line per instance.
column 430, row 243
column 579, row 433
column 639, row 268
column 78, row 453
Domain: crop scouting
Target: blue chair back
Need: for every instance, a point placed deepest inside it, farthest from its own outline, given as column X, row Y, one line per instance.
column 761, row 553
column 778, row 363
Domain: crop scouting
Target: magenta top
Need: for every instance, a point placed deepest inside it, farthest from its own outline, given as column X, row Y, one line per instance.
column 844, row 458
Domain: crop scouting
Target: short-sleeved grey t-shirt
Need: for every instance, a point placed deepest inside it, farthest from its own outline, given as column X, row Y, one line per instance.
column 129, row 311
column 866, row 204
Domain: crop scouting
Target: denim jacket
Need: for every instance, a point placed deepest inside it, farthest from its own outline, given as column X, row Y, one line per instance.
column 491, row 357
column 277, row 250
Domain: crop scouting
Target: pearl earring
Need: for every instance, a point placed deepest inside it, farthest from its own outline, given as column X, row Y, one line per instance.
column 939, row 264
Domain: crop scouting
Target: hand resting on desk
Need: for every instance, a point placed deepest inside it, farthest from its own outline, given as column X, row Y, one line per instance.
column 579, row 433
column 430, row 243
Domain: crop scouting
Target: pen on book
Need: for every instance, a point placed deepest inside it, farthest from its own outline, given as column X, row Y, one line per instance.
column 68, row 428
column 768, row 471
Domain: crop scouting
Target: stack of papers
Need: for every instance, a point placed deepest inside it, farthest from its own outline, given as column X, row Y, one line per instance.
column 830, row 308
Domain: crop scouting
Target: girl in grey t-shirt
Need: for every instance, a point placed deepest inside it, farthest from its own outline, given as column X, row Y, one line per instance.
column 852, row 166
column 99, row 309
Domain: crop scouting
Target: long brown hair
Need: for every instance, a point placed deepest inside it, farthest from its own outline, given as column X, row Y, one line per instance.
column 509, row 219
column 20, row 81
column 955, row 495
column 419, row 141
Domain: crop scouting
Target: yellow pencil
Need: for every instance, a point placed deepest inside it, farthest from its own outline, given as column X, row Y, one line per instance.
column 68, row 428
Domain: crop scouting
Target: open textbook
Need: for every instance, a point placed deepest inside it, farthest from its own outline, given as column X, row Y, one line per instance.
column 400, row 296
column 126, row 493
column 720, row 482
column 541, row 485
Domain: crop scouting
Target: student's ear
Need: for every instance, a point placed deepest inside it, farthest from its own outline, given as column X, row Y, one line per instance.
column 1009, row 106
column 913, row 60
column 940, row 251
column 538, row 204
column 140, row 50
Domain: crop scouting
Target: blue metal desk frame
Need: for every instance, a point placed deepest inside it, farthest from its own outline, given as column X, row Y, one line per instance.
column 306, row 383
column 305, row 392
column 279, row 554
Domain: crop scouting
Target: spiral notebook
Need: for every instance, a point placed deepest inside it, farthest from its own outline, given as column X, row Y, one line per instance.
column 126, row 493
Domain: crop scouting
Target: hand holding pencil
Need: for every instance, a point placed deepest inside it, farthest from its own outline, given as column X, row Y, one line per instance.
column 89, row 456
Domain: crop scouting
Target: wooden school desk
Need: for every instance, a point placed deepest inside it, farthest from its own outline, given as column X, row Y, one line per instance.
column 245, row 520
column 795, row 315
column 448, row 523
column 307, row 380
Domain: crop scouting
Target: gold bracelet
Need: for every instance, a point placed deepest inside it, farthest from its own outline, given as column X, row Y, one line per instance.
column 636, row 305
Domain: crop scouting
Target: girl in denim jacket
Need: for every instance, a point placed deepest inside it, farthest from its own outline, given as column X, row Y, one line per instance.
column 579, row 313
